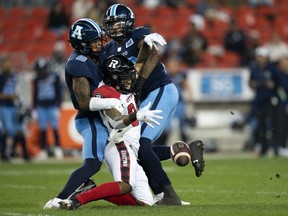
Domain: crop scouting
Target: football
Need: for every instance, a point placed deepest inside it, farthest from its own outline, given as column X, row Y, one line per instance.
column 180, row 153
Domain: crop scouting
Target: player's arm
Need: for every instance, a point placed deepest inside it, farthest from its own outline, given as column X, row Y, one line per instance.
column 147, row 59
column 81, row 90
column 119, row 121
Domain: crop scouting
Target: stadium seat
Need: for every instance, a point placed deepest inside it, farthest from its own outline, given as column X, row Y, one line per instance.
column 143, row 16
column 39, row 12
column 19, row 12
column 2, row 12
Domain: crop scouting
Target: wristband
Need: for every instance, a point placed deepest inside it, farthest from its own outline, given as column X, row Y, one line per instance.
column 132, row 117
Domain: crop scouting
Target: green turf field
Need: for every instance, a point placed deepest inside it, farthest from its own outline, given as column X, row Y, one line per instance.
column 240, row 186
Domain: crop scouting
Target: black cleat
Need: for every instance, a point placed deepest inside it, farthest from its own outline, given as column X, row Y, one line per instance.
column 169, row 201
column 70, row 204
column 197, row 159
column 87, row 185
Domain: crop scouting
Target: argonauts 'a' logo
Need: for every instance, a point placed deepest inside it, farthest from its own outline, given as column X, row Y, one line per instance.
column 77, row 32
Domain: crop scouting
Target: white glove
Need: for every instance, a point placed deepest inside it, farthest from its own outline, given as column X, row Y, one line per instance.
column 147, row 116
column 154, row 37
column 116, row 135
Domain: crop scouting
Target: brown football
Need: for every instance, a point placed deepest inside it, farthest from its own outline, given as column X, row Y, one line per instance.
column 180, row 153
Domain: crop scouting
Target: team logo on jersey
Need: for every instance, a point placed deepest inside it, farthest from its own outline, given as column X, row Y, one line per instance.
column 129, row 43
column 77, row 32
column 81, row 58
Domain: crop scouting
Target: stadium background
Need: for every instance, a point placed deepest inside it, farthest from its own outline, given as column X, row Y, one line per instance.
column 24, row 36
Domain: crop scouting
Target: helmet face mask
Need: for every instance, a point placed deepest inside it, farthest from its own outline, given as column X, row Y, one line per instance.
column 119, row 72
column 83, row 33
column 118, row 17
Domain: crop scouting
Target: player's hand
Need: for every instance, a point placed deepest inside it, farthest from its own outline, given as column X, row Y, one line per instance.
column 116, row 135
column 148, row 116
column 154, row 37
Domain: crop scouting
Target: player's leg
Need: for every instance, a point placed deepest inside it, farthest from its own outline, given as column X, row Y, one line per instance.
column 54, row 114
column 151, row 164
column 43, row 124
column 95, row 136
column 118, row 162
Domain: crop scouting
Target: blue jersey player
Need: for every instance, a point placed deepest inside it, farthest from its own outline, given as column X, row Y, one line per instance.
column 83, row 75
column 153, row 84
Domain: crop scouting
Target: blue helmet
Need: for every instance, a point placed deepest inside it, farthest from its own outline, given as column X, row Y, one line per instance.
column 117, row 71
column 121, row 15
column 82, row 33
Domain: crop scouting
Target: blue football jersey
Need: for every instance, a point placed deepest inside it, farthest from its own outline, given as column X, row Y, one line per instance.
column 79, row 65
column 130, row 49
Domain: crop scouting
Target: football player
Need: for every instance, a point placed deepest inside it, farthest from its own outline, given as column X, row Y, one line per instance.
column 153, row 84
column 83, row 75
column 131, row 184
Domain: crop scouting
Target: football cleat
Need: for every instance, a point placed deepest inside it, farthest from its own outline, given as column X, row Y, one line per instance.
column 70, row 204
column 169, row 201
column 197, row 158
column 87, row 185
column 53, row 204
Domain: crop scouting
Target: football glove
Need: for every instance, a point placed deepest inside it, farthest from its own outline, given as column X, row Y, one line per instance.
column 154, row 37
column 148, row 116
column 116, row 135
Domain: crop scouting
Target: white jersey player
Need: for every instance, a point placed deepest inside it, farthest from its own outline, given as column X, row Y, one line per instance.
column 124, row 128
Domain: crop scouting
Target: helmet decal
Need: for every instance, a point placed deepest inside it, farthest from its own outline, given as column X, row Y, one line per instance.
column 77, row 32
column 93, row 23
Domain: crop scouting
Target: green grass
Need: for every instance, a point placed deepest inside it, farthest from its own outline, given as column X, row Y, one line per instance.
column 240, row 186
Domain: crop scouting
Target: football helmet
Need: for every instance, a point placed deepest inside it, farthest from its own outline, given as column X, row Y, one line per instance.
column 119, row 72
column 118, row 21
column 82, row 33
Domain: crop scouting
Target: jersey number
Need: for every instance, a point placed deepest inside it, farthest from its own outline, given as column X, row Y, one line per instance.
column 131, row 108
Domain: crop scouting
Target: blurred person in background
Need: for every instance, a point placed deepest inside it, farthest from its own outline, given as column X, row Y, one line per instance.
column 58, row 21
column 47, row 98
column 235, row 40
column 80, row 8
column 178, row 76
column 193, row 44
column 57, row 63
column 12, row 126
column 281, row 127
column 277, row 48
column 262, row 76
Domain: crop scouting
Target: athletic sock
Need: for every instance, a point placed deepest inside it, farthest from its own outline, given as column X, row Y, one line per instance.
column 105, row 190
column 162, row 152
column 122, row 200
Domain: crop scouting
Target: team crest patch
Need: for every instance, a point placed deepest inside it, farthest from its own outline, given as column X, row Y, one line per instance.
column 129, row 43
column 81, row 58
